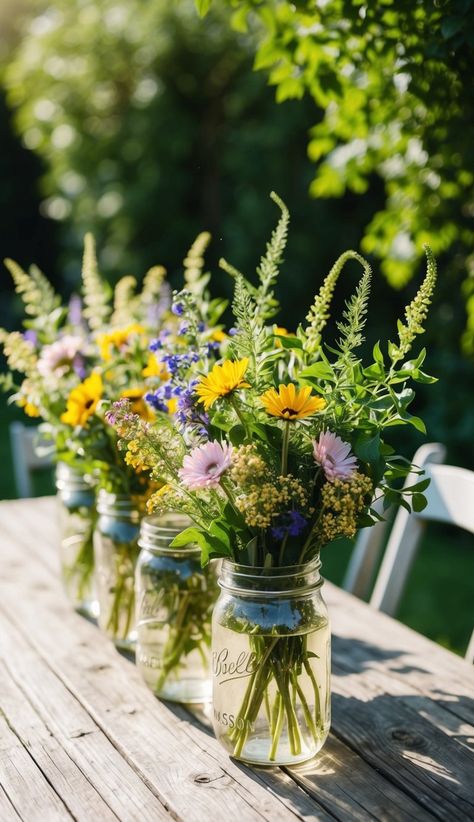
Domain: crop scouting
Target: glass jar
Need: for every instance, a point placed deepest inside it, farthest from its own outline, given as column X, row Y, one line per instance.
column 116, row 552
column 175, row 598
column 271, row 663
column 76, row 502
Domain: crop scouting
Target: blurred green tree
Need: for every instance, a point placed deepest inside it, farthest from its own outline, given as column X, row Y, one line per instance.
column 393, row 81
column 152, row 126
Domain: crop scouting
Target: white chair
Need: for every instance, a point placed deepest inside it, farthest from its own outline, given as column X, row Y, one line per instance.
column 450, row 497
column 24, row 441
column 368, row 547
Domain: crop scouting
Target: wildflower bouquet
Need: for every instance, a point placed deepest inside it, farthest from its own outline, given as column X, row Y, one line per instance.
column 68, row 359
column 281, row 451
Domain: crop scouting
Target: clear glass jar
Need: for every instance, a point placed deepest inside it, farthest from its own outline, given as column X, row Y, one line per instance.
column 175, row 598
column 76, row 502
column 116, row 553
column 271, row 663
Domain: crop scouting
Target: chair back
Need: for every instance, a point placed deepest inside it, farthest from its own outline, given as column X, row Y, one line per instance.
column 24, row 441
column 370, row 541
column 450, row 499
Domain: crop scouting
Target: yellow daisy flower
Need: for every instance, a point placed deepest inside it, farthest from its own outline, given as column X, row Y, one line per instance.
column 291, row 404
column 222, row 380
column 82, row 401
column 116, row 339
column 218, row 335
column 154, row 368
column 139, row 406
column 29, row 408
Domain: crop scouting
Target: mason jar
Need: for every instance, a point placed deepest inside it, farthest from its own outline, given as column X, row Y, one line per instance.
column 271, row 663
column 76, row 504
column 175, row 597
column 116, row 552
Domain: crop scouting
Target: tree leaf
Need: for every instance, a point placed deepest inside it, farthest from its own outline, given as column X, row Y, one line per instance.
column 203, row 6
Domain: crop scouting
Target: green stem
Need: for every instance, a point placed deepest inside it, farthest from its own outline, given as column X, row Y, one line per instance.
column 278, row 727
column 317, row 699
column 284, row 448
column 242, row 420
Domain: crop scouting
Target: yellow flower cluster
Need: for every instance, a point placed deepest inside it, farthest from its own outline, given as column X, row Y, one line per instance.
column 166, row 499
column 343, row 501
column 30, row 409
column 263, row 502
column 248, row 467
column 116, row 339
column 134, row 457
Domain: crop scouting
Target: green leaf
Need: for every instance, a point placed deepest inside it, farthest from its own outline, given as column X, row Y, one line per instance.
column 319, row 371
column 426, row 379
column 377, row 354
column 416, row 422
column 419, row 486
column 187, row 537
column 289, row 341
column 367, row 447
column 451, row 25
column 203, row 6
column 419, row 502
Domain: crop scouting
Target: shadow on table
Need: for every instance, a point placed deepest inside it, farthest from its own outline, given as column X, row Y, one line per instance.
column 421, row 744
column 352, row 656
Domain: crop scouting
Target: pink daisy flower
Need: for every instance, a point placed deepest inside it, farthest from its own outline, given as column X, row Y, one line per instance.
column 204, row 466
column 334, row 456
column 58, row 357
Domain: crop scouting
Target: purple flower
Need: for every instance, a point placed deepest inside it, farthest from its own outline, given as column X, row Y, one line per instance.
column 183, row 328
column 31, row 336
column 233, row 332
column 158, row 343
column 156, row 309
column 291, row 524
column 205, row 465
column 156, row 400
column 189, row 414
column 334, row 456
column 79, row 366
column 75, row 310
column 178, row 309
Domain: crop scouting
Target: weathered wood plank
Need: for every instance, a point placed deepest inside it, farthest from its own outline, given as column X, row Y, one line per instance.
column 7, row 811
column 64, row 776
column 68, row 746
column 22, row 781
column 367, row 639
column 354, row 790
column 181, row 773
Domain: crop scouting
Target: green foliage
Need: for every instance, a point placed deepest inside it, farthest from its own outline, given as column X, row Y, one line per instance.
column 35, row 290
column 355, row 316
column 270, row 263
column 95, row 289
column 416, row 312
column 124, row 298
column 393, row 82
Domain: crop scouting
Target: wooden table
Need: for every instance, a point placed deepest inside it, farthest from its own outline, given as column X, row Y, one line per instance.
column 82, row 738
